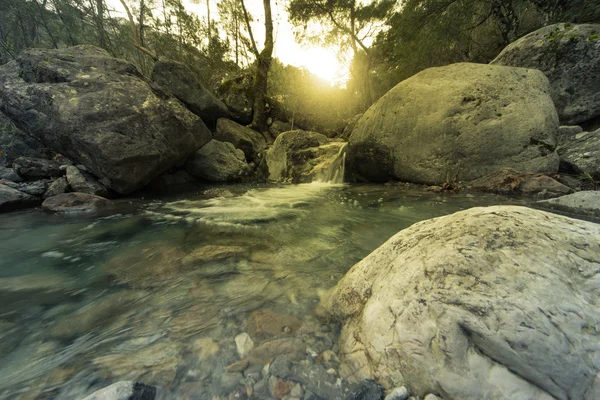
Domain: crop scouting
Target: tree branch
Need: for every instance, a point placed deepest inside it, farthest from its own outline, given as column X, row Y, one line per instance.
column 134, row 31
column 247, row 19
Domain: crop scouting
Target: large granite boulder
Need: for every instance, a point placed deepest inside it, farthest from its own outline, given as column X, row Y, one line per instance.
column 243, row 138
column 303, row 157
column 457, row 122
column 180, row 81
column 581, row 154
column 569, row 55
column 100, row 112
column 489, row 303
column 218, row 162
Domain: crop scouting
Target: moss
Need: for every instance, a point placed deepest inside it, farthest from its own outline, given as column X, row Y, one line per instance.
column 594, row 36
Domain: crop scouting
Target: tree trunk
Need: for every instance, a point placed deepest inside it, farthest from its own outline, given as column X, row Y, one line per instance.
column 100, row 18
column 141, row 27
column 208, row 20
column 263, row 64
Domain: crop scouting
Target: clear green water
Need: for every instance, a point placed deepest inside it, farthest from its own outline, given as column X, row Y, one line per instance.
column 158, row 292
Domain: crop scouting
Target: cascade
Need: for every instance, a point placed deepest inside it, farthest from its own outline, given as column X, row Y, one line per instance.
column 332, row 170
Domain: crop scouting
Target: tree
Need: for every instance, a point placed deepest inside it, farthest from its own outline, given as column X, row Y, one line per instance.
column 231, row 16
column 262, row 66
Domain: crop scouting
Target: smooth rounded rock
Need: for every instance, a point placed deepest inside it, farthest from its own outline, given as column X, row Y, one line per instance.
column 493, row 302
column 399, row 393
column 75, row 203
column 457, row 123
column 125, row 390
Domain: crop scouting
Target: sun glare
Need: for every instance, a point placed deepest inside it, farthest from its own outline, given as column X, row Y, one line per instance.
column 325, row 65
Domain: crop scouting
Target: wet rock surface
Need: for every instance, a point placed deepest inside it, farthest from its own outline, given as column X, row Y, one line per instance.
column 75, row 203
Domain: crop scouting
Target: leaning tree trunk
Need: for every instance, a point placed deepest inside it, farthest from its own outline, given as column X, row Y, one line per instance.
column 263, row 64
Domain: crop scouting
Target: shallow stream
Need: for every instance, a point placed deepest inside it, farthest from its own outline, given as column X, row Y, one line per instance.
column 158, row 292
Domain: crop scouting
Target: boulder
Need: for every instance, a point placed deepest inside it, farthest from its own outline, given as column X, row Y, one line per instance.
column 458, row 122
column 581, row 154
column 585, row 203
column 238, row 94
column 35, row 188
column 569, row 55
column 278, row 127
column 487, row 303
column 35, row 168
column 10, row 174
column 100, row 112
column 15, row 143
column 13, row 199
column 509, row 181
column 243, row 138
column 179, row 80
column 75, row 202
column 218, row 162
column 82, row 182
column 57, row 187
column 302, row 157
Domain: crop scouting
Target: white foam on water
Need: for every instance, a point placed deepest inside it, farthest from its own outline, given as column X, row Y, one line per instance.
column 255, row 206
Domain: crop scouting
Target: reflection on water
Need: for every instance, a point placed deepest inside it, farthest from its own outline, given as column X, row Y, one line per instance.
column 160, row 292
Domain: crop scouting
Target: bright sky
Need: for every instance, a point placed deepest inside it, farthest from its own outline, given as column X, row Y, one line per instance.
column 320, row 61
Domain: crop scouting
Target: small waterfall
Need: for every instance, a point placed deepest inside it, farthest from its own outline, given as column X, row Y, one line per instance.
column 332, row 169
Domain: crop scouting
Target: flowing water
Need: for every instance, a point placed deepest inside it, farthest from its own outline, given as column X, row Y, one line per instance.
column 159, row 291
